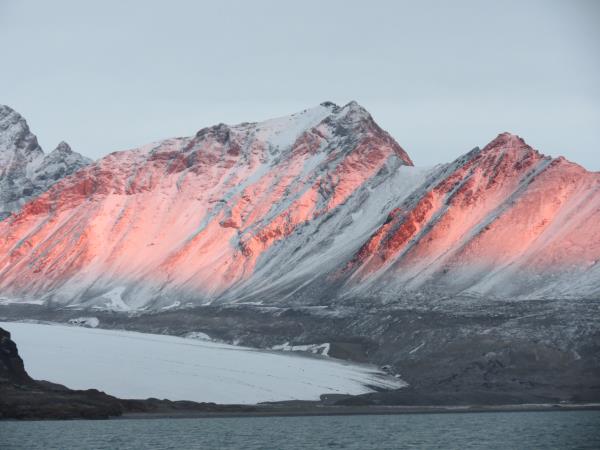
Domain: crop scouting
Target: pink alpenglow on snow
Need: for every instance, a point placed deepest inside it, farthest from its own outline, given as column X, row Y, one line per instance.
column 319, row 205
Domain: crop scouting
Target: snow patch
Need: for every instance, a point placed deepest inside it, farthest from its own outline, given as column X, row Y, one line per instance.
column 317, row 349
column 417, row 348
column 10, row 301
column 199, row 335
column 281, row 132
column 114, row 300
column 174, row 305
column 91, row 322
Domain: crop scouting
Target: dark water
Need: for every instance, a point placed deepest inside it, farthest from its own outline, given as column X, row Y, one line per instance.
column 515, row 430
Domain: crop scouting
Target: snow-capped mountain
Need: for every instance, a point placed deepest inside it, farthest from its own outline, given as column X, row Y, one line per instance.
column 320, row 206
column 504, row 221
column 25, row 171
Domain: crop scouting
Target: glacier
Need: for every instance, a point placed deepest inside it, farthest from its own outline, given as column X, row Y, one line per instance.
column 140, row 365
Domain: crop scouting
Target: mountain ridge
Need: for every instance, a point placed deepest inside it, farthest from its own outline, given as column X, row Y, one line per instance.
column 476, row 280
column 224, row 215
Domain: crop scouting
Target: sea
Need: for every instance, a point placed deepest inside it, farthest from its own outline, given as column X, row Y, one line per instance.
column 488, row 430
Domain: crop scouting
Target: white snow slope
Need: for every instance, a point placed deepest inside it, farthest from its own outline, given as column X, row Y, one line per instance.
column 137, row 365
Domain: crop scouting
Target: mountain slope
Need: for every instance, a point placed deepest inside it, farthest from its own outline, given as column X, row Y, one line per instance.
column 199, row 216
column 25, row 171
column 315, row 208
column 503, row 221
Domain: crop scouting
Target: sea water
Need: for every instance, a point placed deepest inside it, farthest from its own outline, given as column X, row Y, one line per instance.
column 490, row 430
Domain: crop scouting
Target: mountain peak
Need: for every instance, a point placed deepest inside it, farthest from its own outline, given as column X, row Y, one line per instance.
column 5, row 110
column 351, row 121
column 15, row 137
column 334, row 107
column 63, row 155
column 63, row 147
column 507, row 140
column 25, row 171
column 355, row 112
column 511, row 145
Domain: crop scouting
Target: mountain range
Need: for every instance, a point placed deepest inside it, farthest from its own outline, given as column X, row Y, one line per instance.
column 481, row 274
column 322, row 205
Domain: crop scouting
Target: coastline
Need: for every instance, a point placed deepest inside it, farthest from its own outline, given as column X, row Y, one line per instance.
column 329, row 410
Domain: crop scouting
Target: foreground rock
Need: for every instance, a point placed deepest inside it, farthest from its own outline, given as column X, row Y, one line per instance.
column 24, row 398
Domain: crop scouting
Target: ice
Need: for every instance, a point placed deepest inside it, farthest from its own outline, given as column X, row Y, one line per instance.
column 317, row 349
column 137, row 365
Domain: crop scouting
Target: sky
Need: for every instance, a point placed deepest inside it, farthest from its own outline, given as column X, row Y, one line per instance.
column 440, row 76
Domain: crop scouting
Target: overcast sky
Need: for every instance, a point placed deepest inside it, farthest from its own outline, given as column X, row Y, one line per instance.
column 441, row 76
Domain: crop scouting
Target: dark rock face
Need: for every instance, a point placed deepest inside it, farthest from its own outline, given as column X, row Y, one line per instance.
column 24, row 398
column 12, row 369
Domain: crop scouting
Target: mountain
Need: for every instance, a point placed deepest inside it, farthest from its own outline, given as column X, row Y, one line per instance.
column 502, row 222
column 478, row 278
column 25, row 171
column 319, row 205
column 207, row 217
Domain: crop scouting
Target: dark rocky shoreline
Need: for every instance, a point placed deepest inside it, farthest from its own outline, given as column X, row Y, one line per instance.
column 519, row 354
column 22, row 398
column 321, row 410
column 455, row 353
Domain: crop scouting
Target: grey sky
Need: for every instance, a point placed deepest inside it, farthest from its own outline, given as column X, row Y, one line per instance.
column 440, row 76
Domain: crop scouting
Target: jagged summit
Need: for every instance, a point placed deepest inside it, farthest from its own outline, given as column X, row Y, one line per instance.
column 510, row 143
column 249, row 188
column 63, row 147
column 17, row 144
column 507, row 138
column 25, row 171
column 326, row 122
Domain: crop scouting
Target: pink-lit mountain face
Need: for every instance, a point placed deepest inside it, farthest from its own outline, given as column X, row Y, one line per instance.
column 504, row 221
column 319, row 207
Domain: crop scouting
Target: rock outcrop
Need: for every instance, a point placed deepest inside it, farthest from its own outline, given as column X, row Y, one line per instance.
column 24, row 398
